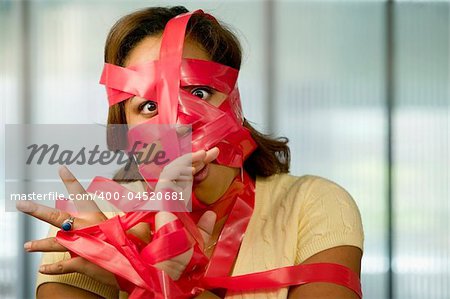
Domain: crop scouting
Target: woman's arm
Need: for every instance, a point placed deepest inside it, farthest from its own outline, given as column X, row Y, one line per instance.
column 348, row 256
column 54, row 290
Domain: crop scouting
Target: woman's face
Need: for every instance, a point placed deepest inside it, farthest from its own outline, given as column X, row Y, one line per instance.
column 211, row 182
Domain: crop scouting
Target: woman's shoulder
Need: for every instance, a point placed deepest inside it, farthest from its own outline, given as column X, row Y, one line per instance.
column 305, row 187
column 288, row 178
column 326, row 213
column 317, row 194
column 307, row 196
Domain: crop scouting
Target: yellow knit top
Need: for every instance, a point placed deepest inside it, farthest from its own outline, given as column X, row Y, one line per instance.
column 294, row 218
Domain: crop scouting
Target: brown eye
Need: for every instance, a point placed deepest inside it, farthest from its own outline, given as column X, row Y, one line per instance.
column 148, row 107
column 202, row 93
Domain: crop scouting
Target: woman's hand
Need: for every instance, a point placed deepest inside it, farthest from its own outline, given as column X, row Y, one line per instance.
column 174, row 177
column 177, row 175
column 175, row 266
column 89, row 214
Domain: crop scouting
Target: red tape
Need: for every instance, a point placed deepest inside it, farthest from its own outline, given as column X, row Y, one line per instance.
column 289, row 276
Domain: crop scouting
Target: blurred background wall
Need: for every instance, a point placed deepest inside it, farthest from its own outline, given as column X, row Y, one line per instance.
column 361, row 88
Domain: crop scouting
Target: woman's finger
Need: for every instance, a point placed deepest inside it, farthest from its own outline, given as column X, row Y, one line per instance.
column 206, row 225
column 189, row 158
column 80, row 265
column 162, row 218
column 82, row 200
column 211, row 155
column 44, row 245
column 198, row 156
column 62, row 267
column 197, row 167
column 176, row 265
column 142, row 231
column 50, row 215
column 176, row 172
column 198, row 159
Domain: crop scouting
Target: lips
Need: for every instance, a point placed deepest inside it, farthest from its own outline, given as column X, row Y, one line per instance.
column 202, row 174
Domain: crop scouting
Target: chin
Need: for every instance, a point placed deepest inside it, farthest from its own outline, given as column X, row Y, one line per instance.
column 201, row 194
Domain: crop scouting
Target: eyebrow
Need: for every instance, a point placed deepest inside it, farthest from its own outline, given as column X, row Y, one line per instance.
column 134, row 99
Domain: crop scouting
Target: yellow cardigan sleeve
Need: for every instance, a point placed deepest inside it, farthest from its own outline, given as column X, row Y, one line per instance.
column 74, row 279
column 329, row 217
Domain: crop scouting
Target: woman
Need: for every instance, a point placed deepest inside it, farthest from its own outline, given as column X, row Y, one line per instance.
column 295, row 220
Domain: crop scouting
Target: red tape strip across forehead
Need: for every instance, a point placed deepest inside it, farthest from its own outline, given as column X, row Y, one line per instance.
column 141, row 80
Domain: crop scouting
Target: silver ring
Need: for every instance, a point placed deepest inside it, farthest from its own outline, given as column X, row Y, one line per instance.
column 67, row 225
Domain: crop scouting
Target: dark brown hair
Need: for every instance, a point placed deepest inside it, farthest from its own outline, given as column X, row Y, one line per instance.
column 272, row 155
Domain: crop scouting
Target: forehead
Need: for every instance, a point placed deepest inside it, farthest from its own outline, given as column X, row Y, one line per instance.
column 148, row 50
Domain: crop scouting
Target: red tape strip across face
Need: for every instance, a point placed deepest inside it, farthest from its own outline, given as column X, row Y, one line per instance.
column 123, row 83
column 108, row 244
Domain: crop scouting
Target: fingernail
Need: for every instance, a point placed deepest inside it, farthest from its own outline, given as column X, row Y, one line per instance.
column 25, row 206
column 42, row 269
column 27, row 246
